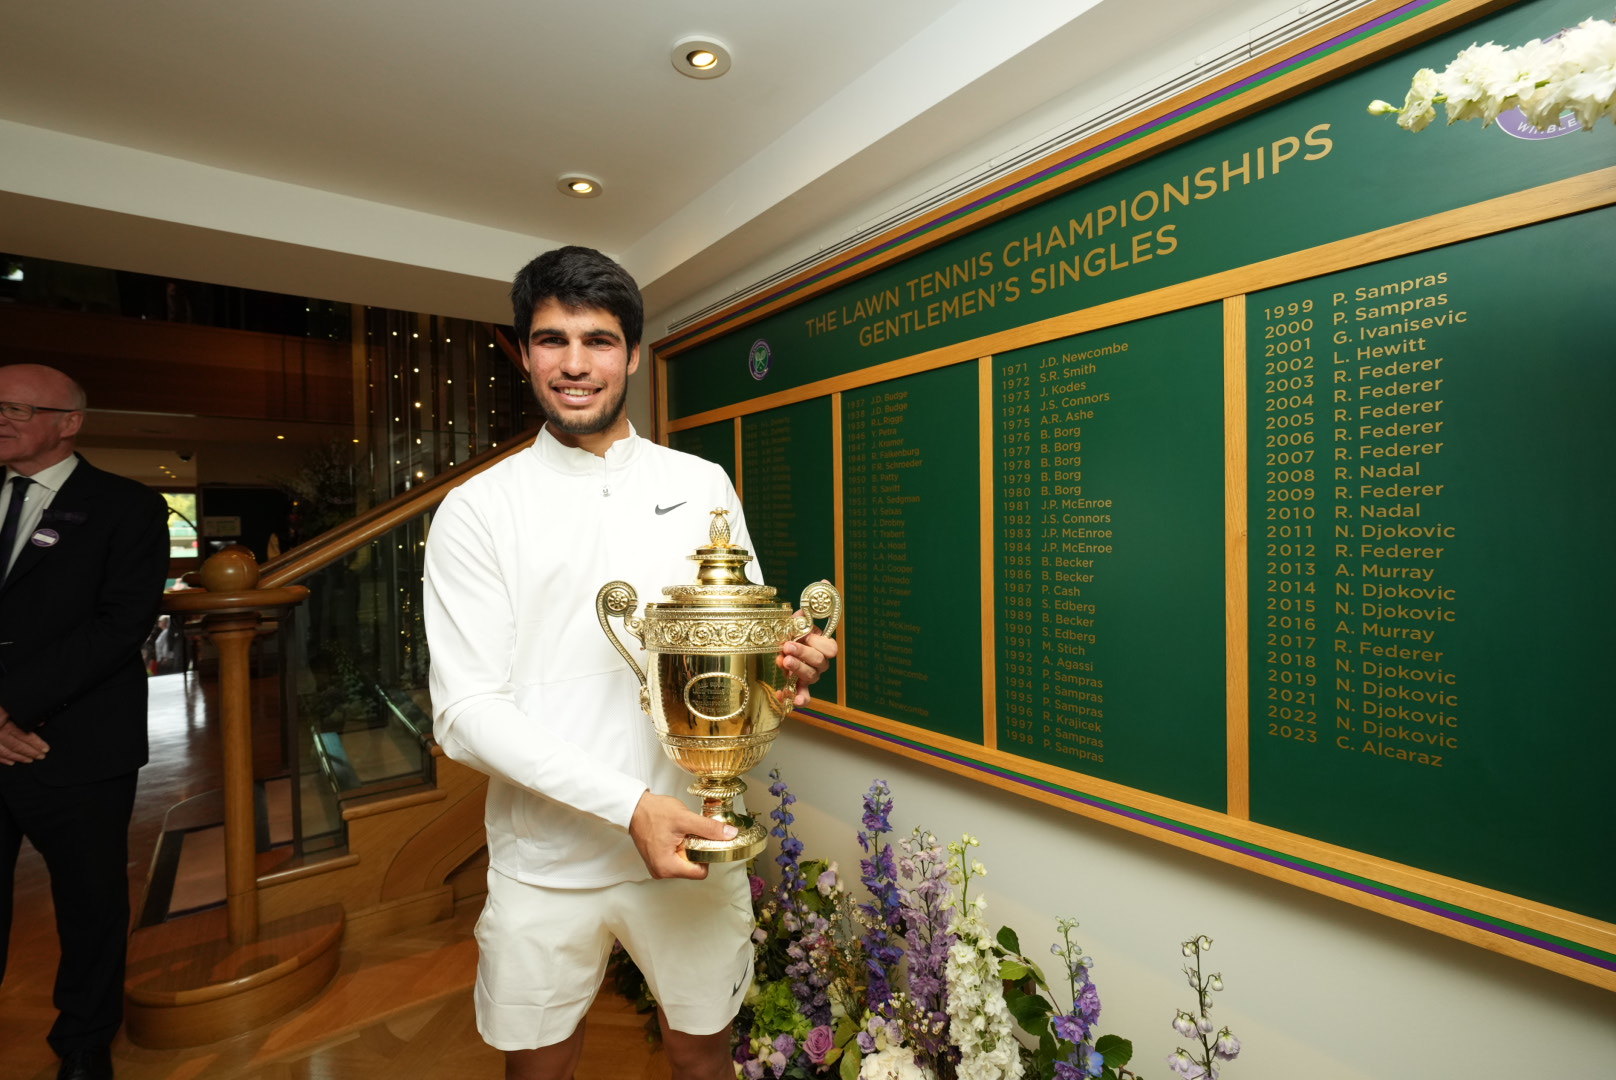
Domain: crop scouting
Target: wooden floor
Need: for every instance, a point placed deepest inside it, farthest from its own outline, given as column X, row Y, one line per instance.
column 396, row 1011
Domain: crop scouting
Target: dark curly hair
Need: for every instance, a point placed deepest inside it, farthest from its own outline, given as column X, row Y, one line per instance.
column 577, row 278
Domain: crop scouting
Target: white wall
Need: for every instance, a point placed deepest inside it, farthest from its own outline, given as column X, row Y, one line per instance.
column 1314, row 988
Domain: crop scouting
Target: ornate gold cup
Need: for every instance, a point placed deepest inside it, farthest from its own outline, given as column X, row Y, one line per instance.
column 714, row 692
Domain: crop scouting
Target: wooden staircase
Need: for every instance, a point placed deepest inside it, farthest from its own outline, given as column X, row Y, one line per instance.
column 280, row 936
column 278, row 941
column 410, row 857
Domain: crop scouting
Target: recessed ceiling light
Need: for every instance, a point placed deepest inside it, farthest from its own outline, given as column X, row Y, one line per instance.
column 578, row 186
column 700, row 58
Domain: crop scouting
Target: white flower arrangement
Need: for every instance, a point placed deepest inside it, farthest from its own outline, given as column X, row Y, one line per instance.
column 1575, row 70
column 981, row 1026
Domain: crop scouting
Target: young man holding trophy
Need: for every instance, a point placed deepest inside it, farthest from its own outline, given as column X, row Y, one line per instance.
column 586, row 837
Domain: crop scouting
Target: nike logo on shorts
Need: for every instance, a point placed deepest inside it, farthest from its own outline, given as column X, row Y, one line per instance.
column 665, row 509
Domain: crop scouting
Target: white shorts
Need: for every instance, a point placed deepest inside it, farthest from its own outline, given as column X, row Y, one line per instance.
column 541, row 952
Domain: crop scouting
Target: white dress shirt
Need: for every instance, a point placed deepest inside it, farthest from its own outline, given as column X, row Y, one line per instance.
column 36, row 497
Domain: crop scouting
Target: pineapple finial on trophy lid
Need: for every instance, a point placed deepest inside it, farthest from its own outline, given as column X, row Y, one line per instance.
column 718, row 532
column 722, row 563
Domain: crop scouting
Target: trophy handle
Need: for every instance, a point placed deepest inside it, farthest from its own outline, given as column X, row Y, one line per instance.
column 618, row 598
column 821, row 601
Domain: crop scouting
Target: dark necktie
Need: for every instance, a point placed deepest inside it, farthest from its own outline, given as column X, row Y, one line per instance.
column 8, row 530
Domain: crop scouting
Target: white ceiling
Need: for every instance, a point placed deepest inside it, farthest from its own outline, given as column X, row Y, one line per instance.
column 406, row 152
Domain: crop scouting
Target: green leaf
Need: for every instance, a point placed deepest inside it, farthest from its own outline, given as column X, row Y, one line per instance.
column 845, row 1030
column 1047, row 1048
column 1008, row 940
column 1030, row 1010
column 1013, row 970
column 1117, row 1050
column 850, row 1063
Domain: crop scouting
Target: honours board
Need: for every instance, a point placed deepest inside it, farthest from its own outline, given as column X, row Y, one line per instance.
column 1432, row 585
column 1298, row 554
column 912, row 559
column 787, row 494
column 1108, row 453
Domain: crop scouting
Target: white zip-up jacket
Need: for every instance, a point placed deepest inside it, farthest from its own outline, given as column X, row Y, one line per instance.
column 525, row 687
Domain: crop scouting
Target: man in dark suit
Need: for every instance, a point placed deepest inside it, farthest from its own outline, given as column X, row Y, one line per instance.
column 83, row 557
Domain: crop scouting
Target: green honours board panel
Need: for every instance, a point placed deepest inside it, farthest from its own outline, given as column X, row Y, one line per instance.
column 911, row 507
column 715, row 442
column 1108, row 463
column 788, row 495
column 1432, row 583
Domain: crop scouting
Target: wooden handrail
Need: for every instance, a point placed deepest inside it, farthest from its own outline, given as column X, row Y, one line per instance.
column 328, row 547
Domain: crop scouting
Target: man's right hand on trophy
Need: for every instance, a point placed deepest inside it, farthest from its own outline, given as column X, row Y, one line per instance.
column 659, row 827
column 806, row 660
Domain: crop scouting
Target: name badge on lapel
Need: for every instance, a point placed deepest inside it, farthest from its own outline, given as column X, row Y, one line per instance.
column 45, row 538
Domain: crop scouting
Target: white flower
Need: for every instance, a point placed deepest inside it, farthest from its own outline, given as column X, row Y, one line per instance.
column 1184, row 1024
column 981, row 1023
column 1574, row 70
column 1417, row 111
column 893, row 1063
column 1468, row 83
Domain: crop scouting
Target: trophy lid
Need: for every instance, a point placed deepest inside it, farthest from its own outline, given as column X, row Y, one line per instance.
column 721, row 574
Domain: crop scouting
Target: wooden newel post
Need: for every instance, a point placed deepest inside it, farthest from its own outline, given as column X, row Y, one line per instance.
column 233, row 635
column 232, row 609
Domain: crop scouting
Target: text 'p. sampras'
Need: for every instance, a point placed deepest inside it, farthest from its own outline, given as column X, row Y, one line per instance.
column 1105, row 239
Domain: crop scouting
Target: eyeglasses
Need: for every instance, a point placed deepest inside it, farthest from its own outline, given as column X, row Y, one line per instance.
column 16, row 410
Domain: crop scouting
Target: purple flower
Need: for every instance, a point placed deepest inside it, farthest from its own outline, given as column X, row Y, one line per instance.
column 785, row 1044
column 820, row 1042
column 1228, row 1045
column 879, row 875
column 758, row 885
column 752, row 1070
column 1184, row 1065
column 866, row 1043
column 1088, row 1003
column 1070, row 1028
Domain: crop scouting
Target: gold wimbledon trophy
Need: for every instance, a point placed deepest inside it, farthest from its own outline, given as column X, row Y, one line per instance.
column 714, row 690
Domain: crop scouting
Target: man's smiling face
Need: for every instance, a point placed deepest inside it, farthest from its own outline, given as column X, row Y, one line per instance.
column 579, row 364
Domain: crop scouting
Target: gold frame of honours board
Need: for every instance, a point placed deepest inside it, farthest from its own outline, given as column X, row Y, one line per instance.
column 1547, row 202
